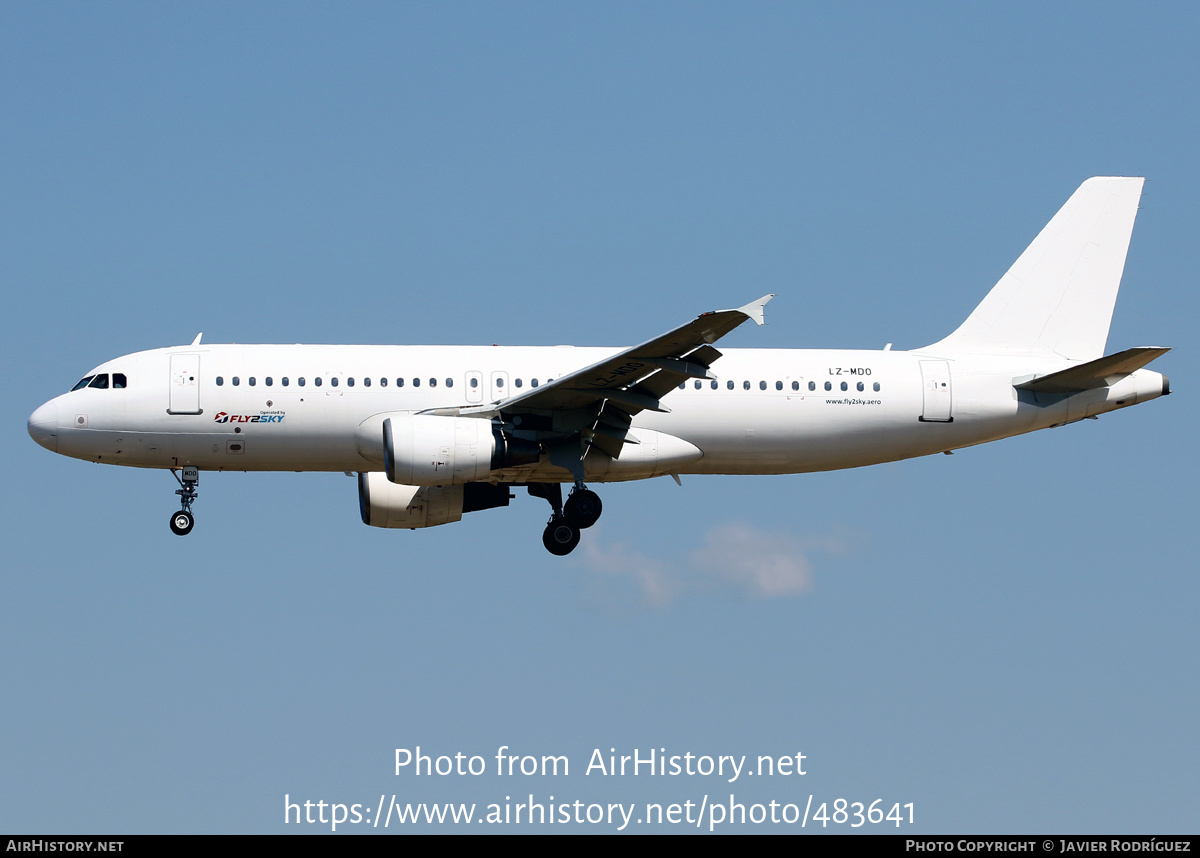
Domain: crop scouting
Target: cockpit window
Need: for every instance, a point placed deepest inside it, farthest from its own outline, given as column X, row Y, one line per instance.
column 100, row 381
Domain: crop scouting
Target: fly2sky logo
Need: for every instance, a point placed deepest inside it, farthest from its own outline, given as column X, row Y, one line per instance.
column 264, row 417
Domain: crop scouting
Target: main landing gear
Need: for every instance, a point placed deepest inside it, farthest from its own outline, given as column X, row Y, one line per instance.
column 182, row 522
column 582, row 509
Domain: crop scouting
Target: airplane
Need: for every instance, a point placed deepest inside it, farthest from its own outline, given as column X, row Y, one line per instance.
column 434, row 432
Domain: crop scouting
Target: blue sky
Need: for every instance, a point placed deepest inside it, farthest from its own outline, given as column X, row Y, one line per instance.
column 1004, row 637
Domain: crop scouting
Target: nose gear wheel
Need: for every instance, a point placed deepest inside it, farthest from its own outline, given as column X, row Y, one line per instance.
column 183, row 521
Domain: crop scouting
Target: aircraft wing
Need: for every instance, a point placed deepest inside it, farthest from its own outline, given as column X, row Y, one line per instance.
column 599, row 401
column 637, row 377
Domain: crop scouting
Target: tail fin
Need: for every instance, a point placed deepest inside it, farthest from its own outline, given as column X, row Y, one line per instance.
column 1058, row 297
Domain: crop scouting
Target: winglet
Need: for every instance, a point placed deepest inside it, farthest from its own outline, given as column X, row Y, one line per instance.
column 196, row 341
column 754, row 309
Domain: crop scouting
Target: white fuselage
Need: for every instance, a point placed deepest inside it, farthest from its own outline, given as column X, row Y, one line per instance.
column 770, row 411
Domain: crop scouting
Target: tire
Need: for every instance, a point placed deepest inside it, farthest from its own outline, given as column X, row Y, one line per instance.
column 583, row 508
column 560, row 537
column 182, row 523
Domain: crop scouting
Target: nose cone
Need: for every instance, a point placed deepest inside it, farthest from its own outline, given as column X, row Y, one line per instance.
column 43, row 426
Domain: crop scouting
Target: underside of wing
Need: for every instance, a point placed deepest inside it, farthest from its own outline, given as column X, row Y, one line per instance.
column 597, row 404
column 637, row 377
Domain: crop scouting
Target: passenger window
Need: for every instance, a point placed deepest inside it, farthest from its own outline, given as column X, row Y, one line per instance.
column 236, row 381
column 474, row 382
column 350, row 382
column 860, row 386
column 795, row 385
column 698, row 385
column 517, row 382
column 399, row 382
column 284, row 381
column 499, row 382
column 779, row 385
column 118, row 381
column 220, row 381
column 383, row 382
column 745, row 385
column 682, row 385
column 333, row 381
column 845, row 386
column 876, row 386
column 270, row 381
column 252, row 382
column 100, row 382
column 812, row 385
column 300, row 381
column 318, row 381
column 729, row 384
column 416, row 382
column 714, row 385
column 433, row 382
column 828, row 386
column 533, row 382
column 367, row 381
column 449, row 382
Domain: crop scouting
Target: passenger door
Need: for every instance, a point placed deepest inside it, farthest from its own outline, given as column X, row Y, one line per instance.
column 185, row 385
column 935, row 384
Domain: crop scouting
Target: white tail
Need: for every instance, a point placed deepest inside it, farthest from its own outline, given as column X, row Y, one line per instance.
column 1058, row 298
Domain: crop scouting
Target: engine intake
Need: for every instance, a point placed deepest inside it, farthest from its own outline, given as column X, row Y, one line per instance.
column 383, row 503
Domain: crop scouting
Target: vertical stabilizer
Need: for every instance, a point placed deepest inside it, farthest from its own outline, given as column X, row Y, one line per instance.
column 1058, row 298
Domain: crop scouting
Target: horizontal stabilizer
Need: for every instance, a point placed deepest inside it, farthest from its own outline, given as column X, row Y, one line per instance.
column 1101, row 372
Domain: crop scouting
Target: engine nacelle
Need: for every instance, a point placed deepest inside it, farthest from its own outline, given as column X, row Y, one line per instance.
column 383, row 503
column 428, row 450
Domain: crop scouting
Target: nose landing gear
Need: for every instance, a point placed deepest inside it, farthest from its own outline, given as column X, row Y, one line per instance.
column 182, row 522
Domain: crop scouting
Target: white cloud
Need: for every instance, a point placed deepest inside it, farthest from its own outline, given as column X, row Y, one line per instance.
column 763, row 564
column 655, row 580
column 735, row 556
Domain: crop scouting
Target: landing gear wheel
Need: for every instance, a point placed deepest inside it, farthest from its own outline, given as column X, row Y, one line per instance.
column 583, row 508
column 182, row 523
column 560, row 537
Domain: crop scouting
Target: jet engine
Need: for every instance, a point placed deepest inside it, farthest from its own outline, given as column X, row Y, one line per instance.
column 383, row 503
column 429, row 450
